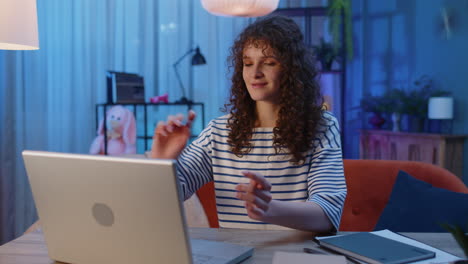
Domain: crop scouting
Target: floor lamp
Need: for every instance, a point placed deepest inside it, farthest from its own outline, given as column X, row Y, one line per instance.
column 18, row 31
column 18, row 25
column 197, row 59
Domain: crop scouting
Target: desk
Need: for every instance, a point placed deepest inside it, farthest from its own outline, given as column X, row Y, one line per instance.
column 31, row 249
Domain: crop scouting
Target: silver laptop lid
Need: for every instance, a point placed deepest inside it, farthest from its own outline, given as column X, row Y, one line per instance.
column 90, row 213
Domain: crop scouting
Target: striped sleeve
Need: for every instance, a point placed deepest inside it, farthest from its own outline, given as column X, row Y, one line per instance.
column 326, row 181
column 194, row 166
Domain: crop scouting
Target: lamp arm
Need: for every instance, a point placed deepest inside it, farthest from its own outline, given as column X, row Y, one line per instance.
column 177, row 72
column 178, row 78
column 183, row 56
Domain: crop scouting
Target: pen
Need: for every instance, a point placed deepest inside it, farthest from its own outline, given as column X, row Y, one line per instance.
column 315, row 251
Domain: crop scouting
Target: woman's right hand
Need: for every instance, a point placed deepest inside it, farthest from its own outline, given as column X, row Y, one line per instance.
column 170, row 137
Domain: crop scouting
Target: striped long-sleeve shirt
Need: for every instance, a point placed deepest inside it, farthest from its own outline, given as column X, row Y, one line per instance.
column 319, row 179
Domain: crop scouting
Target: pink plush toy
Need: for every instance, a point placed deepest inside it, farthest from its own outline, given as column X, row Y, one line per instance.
column 121, row 133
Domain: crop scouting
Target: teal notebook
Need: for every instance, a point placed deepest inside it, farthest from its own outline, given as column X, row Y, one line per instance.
column 375, row 249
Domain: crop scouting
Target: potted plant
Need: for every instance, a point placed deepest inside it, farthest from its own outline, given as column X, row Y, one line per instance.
column 394, row 99
column 416, row 100
column 391, row 102
column 339, row 11
column 461, row 237
column 325, row 53
column 375, row 105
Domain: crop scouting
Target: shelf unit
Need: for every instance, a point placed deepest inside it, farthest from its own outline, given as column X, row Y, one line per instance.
column 311, row 20
column 439, row 149
column 142, row 115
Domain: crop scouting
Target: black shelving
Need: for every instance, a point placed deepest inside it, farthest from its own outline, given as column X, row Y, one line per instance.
column 134, row 107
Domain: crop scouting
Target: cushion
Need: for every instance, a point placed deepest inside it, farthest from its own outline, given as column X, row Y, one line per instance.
column 417, row 206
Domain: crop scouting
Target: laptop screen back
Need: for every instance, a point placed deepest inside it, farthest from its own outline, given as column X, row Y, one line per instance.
column 100, row 209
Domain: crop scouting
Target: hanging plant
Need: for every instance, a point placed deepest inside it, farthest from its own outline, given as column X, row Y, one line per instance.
column 339, row 11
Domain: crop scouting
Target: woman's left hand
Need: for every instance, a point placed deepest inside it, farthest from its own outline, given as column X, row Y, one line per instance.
column 256, row 195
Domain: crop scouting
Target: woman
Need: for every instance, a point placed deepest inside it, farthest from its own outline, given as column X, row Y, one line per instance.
column 275, row 158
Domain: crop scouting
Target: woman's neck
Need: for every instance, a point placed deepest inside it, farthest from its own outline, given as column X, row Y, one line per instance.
column 267, row 114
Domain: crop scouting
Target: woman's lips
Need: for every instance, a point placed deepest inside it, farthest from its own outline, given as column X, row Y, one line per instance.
column 259, row 85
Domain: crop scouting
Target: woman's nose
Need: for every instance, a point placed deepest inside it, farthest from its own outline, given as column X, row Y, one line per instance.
column 258, row 73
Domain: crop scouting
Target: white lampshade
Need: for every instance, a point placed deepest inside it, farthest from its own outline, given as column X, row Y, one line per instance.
column 244, row 8
column 440, row 108
column 18, row 25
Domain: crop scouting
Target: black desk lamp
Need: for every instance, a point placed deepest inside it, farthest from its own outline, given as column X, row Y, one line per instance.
column 197, row 59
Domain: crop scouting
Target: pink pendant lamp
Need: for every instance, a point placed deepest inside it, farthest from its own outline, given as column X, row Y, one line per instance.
column 244, row 8
column 18, row 25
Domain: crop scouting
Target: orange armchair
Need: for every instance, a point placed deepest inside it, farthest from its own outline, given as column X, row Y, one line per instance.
column 369, row 183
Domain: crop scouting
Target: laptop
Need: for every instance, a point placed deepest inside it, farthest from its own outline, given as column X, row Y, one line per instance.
column 101, row 209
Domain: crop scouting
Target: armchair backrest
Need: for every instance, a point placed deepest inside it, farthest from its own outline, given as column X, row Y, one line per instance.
column 369, row 183
column 206, row 195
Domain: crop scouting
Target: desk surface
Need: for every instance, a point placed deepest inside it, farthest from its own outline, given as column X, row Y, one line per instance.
column 31, row 248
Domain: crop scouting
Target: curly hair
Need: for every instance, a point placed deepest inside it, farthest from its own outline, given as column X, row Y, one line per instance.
column 300, row 96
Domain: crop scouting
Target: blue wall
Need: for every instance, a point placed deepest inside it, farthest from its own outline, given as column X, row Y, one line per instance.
column 398, row 41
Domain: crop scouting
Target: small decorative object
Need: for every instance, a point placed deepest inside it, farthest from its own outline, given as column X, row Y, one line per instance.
column 244, row 8
column 375, row 105
column 330, row 87
column 391, row 102
column 121, row 133
column 440, row 114
column 446, row 22
column 197, row 59
column 160, row 99
column 393, row 99
column 18, row 25
column 396, row 121
column 326, row 54
column 377, row 121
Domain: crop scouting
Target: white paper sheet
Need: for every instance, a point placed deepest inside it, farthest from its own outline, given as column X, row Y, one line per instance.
column 441, row 256
column 302, row 258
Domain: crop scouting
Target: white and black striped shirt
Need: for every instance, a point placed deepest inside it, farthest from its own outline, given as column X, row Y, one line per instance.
column 319, row 179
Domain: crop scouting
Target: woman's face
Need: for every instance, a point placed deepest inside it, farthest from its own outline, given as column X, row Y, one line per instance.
column 261, row 73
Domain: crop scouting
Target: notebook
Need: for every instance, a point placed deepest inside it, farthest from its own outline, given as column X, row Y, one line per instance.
column 101, row 209
column 375, row 249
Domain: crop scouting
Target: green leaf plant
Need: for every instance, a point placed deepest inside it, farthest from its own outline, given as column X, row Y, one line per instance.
column 460, row 236
column 339, row 11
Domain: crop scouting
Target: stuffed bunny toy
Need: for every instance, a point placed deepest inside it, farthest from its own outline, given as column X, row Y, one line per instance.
column 121, row 133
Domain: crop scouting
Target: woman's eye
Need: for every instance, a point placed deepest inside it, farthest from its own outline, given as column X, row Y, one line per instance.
column 247, row 64
column 270, row 63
